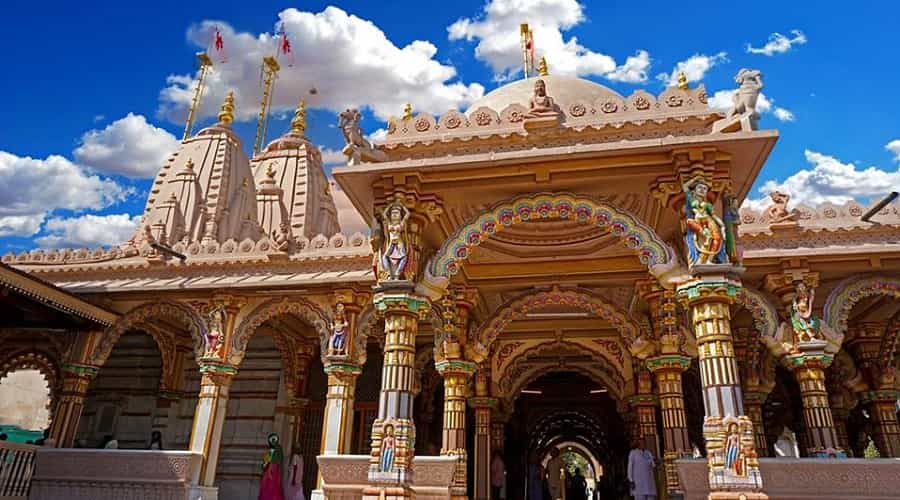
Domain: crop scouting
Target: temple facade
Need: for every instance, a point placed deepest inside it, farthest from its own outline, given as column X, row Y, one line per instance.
column 557, row 271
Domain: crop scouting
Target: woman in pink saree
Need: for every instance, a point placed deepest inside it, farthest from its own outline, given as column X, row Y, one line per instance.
column 270, row 486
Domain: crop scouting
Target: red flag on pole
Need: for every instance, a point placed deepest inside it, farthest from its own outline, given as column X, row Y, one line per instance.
column 284, row 48
column 218, row 46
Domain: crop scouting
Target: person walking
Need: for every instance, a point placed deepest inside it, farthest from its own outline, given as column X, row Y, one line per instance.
column 578, row 488
column 641, row 481
column 498, row 475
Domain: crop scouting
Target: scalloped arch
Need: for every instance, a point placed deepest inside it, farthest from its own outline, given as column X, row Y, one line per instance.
column 521, row 371
column 764, row 312
column 311, row 313
column 138, row 315
column 848, row 292
column 586, row 300
column 632, row 232
column 29, row 359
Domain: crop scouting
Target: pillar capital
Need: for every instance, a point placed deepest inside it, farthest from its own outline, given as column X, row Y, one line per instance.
column 808, row 360
column 455, row 367
column 216, row 373
column 80, row 370
column 881, row 396
column 483, row 402
column 400, row 300
column 711, row 287
column 668, row 362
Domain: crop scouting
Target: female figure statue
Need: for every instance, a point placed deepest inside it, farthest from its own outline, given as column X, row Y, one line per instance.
column 338, row 343
column 214, row 336
column 270, row 486
column 387, row 449
column 806, row 326
column 732, row 219
column 293, row 490
column 705, row 230
column 734, row 460
column 395, row 254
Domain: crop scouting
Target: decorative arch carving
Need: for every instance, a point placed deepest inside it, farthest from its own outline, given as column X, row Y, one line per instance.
column 523, row 370
column 583, row 299
column 764, row 312
column 848, row 292
column 309, row 312
column 631, row 231
column 365, row 327
column 139, row 315
column 888, row 350
column 28, row 359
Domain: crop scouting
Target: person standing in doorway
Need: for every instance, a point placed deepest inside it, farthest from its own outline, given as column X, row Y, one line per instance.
column 535, row 483
column 498, row 475
column 641, row 481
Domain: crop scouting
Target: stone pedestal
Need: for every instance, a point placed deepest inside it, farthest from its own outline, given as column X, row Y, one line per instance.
column 346, row 477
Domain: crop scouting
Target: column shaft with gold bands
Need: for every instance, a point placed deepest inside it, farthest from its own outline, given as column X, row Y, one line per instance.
column 883, row 409
column 484, row 408
column 209, row 417
column 66, row 415
column 730, row 443
column 809, row 369
column 668, row 370
column 753, row 403
column 393, row 432
column 456, row 375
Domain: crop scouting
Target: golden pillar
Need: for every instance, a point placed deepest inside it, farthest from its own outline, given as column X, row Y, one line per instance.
column 750, row 350
column 668, row 370
column 753, row 403
column 488, row 434
column 880, row 401
column 644, row 405
column 78, row 370
column 456, row 375
column 809, row 369
column 730, row 443
column 882, row 406
column 841, row 416
column 393, row 432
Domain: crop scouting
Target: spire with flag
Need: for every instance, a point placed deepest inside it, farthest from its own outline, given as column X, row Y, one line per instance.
column 217, row 46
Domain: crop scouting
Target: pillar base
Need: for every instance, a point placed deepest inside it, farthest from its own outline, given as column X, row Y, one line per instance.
column 386, row 493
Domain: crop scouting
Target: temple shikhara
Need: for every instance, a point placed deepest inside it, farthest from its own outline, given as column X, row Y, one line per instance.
column 556, row 272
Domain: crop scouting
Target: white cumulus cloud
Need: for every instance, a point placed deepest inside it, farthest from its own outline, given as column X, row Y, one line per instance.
column 129, row 146
column 88, row 230
column 894, row 147
column 694, row 68
column 778, row 44
column 829, row 179
column 349, row 60
column 31, row 188
column 497, row 31
column 724, row 100
column 332, row 157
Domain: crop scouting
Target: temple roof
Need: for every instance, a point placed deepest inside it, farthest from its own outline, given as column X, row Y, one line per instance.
column 566, row 90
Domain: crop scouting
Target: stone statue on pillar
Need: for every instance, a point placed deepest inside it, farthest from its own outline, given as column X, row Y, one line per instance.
column 704, row 230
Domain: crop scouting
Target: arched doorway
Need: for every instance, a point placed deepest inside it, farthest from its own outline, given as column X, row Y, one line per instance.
column 564, row 411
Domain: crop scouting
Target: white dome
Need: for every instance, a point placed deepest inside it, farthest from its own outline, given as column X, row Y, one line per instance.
column 564, row 90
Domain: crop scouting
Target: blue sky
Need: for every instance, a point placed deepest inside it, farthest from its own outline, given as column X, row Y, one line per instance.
column 78, row 67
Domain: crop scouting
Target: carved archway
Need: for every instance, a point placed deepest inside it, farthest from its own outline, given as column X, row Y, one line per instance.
column 137, row 317
column 580, row 298
column 763, row 311
column 28, row 359
column 848, row 292
column 309, row 312
column 627, row 228
column 524, row 369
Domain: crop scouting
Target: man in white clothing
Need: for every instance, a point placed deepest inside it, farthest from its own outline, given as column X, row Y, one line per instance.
column 640, row 472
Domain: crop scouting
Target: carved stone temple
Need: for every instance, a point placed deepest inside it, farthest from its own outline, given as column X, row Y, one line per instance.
column 555, row 272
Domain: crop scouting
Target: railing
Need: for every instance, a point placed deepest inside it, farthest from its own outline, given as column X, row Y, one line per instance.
column 16, row 467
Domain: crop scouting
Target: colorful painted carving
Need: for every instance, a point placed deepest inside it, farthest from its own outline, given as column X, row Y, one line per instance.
column 778, row 212
column 705, row 235
column 337, row 345
column 732, row 219
column 734, row 458
column 215, row 335
column 395, row 249
column 805, row 324
column 388, row 445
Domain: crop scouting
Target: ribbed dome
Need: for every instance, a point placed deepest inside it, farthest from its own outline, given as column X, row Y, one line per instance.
column 564, row 90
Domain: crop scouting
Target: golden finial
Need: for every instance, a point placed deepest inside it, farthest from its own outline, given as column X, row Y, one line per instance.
column 189, row 165
column 683, row 81
column 407, row 112
column 298, row 124
column 226, row 115
column 270, row 172
column 542, row 67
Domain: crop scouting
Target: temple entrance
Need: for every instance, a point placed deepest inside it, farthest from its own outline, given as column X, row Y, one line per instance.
column 565, row 420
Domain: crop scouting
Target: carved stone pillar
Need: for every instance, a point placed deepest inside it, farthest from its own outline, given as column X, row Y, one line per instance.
column 750, row 350
column 882, row 406
column 67, row 414
column 456, row 375
column 337, row 431
column 485, row 407
column 753, row 404
column 841, row 416
column 79, row 368
column 644, row 404
column 668, row 370
column 809, row 369
column 731, row 447
column 393, row 432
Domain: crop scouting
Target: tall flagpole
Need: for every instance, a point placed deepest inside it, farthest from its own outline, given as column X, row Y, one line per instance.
column 205, row 65
column 524, row 32
column 270, row 72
